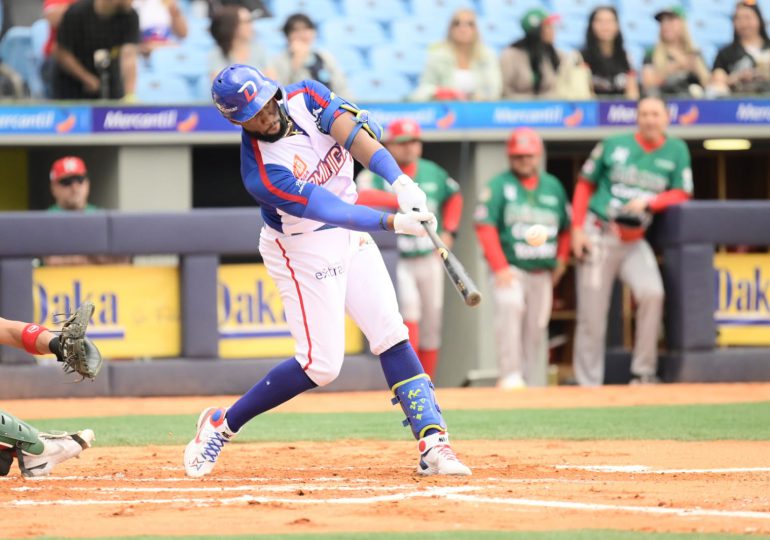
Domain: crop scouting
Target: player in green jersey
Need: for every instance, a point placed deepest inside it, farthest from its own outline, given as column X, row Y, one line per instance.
column 522, row 222
column 420, row 272
column 630, row 175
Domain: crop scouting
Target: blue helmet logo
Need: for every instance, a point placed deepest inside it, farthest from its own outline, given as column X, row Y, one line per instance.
column 240, row 92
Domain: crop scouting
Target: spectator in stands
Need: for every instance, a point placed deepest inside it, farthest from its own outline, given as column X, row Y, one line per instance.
column 161, row 23
column 674, row 65
column 532, row 66
column 232, row 30
column 611, row 71
column 303, row 60
column 744, row 65
column 53, row 11
column 461, row 67
column 96, row 51
column 70, row 187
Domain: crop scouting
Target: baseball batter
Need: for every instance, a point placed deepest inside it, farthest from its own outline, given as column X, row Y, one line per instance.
column 634, row 174
column 420, row 272
column 297, row 146
column 522, row 222
column 37, row 452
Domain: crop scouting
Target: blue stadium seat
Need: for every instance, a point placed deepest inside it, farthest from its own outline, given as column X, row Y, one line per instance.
column 376, row 10
column 181, row 61
column 575, row 9
column 40, row 29
column 397, row 58
column 639, row 9
column 709, row 53
column 439, row 12
column 498, row 33
column 318, row 10
column 509, row 11
column 571, row 32
column 201, row 90
column 198, row 33
column 269, row 34
column 416, row 33
column 163, row 89
column 639, row 30
column 361, row 34
column 349, row 59
column 17, row 52
column 368, row 86
column 710, row 29
column 720, row 7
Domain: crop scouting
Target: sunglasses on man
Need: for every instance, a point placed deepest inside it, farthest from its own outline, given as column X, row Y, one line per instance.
column 67, row 182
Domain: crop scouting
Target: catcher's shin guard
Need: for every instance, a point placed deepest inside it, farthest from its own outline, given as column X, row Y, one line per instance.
column 19, row 435
column 419, row 404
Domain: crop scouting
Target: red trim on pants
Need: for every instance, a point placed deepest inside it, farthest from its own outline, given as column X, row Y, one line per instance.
column 302, row 307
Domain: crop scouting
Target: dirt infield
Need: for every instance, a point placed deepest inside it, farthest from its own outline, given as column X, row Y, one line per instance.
column 371, row 485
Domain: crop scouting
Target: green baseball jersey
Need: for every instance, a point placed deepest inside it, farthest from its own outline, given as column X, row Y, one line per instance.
column 56, row 208
column 438, row 187
column 519, row 213
column 622, row 170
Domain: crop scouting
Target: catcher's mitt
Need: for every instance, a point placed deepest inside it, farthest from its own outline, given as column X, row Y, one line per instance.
column 76, row 351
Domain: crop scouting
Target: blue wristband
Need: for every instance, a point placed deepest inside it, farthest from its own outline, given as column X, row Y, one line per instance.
column 383, row 164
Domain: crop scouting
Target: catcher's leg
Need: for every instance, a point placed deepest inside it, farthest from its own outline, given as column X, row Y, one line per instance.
column 38, row 452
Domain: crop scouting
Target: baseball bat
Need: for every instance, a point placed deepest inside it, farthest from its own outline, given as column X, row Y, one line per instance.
column 454, row 269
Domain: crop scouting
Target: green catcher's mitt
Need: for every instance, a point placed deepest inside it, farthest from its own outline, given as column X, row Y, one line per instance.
column 77, row 352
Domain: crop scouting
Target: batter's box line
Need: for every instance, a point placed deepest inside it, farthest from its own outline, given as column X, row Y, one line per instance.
column 644, row 469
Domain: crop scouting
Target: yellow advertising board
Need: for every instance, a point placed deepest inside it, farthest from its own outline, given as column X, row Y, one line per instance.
column 743, row 298
column 137, row 308
column 252, row 323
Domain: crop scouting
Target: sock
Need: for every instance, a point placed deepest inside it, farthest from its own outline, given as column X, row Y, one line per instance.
column 429, row 360
column 282, row 383
column 400, row 363
column 414, row 333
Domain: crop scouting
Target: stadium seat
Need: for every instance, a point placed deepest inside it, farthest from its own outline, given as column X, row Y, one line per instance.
column 163, row 89
column 318, row 10
column 571, row 10
column 362, row 34
column 710, row 29
column 396, row 58
column 369, row 86
column 269, row 34
column 349, row 59
column 41, row 29
column 415, row 33
column 438, row 12
column 17, row 52
column 498, row 33
column 719, row 7
column 198, row 33
column 571, row 33
column 639, row 30
column 187, row 62
column 709, row 53
column 509, row 11
column 376, row 10
column 630, row 10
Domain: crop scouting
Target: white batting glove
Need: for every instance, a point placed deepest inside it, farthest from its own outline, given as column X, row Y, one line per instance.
column 412, row 223
column 410, row 196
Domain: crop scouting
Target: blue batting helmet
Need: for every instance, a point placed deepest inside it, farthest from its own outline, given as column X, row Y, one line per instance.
column 240, row 92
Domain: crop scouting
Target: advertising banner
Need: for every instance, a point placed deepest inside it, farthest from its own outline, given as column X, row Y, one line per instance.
column 252, row 323
column 51, row 120
column 137, row 308
column 742, row 298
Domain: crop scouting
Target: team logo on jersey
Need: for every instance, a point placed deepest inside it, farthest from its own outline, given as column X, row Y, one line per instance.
column 509, row 192
column 299, row 168
column 620, row 154
column 249, row 89
column 549, row 200
column 665, row 164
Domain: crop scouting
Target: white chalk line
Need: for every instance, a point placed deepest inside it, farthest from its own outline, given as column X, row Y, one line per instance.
column 643, row 469
column 284, row 488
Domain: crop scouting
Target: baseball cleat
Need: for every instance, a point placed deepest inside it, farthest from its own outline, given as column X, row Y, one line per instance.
column 437, row 457
column 57, row 448
column 202, row 452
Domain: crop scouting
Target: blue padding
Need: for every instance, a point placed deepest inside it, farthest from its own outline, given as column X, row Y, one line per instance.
column 352, row 136
column 419, row 405
column 327, row 116
column 53, row 233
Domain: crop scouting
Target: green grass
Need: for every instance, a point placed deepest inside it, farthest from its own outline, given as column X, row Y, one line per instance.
column 590, row 534
column 744, row 421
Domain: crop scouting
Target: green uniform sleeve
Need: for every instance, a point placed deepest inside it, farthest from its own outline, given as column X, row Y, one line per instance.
column 681, row 177
column 452, row 186
column 594, row 167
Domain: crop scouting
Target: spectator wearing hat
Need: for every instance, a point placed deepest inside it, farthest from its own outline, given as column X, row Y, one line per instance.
column 604, row 53
column 522, row 225
column 744, row 65
column 674, row 66
column 70, row 187
column 461, row 67
column 303, row 60
column 420, row 272
column 234, row 35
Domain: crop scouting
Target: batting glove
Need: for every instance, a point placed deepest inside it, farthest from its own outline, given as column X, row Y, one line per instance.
column 412, row 223
column 410, row 196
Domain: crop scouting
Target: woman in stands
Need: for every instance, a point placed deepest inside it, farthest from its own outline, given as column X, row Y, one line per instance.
column 674, row 66
column 461, row 67
column 744, row 65
column 236, row 44
column 611, row 72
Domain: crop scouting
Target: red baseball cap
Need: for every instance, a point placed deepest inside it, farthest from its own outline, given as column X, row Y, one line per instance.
column 66, row 167
column 403, row 130
column 524, row 141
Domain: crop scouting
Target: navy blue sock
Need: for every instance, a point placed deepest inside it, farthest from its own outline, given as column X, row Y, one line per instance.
column 282, row 383
column 400, row 363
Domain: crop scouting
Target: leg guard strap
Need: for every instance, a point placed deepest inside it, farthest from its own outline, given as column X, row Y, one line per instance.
column 417, row 400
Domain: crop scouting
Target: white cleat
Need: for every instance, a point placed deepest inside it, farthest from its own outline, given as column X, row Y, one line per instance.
column 202, row 452
column 437, row 457
column 58, row 447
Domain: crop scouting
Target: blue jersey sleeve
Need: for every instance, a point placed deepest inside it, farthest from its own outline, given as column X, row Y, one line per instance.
column 276, row 186
column 326, row 207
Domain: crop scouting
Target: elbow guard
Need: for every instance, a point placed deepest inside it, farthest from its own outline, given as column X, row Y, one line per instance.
column 361, row 117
